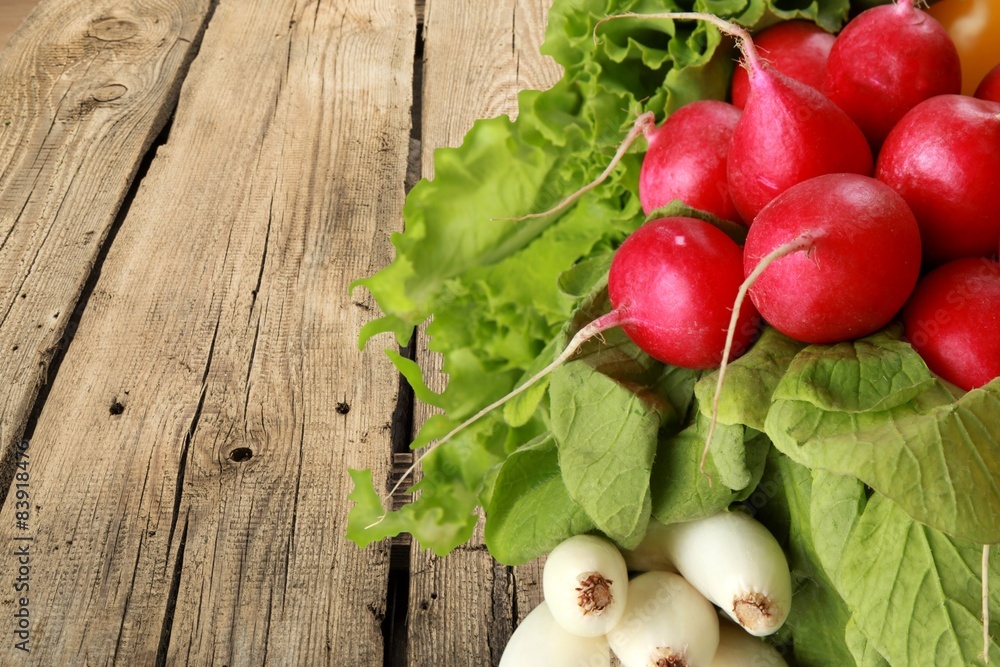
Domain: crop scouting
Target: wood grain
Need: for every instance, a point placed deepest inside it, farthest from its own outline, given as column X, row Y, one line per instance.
column 477, row 56
column 84, row 90
column 12, row 13
column 202, row 521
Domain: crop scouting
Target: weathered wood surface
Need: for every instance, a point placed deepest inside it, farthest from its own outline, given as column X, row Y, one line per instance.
column 12, row 13
column 188, row 460
column 85, row 90
column 464, row 607
column 204, row 522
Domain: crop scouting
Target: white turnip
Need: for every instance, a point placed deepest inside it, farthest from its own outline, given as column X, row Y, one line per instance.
column 585, row 583
column 667, row 623
column 734, row 561
column 539, row 641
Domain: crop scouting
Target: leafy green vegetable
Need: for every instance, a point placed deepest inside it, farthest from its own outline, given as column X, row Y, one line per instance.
column 750, row 380
column 919, row 601
column 880, row 416
column 606, row 436
column 820, row 616
column 531, row 512
column 680, row 492
column 861, row 648
column 885, row 573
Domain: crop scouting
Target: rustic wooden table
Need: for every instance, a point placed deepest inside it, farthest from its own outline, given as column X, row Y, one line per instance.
column 187, row 187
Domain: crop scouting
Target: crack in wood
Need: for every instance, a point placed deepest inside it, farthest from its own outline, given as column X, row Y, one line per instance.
column 175, row 583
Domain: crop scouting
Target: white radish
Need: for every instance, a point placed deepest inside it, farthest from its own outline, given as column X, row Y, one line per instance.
column 649, row 556
column 735, row 562
column 541, row 642
column 585, row 583
column 738, row 649
column 667, row 623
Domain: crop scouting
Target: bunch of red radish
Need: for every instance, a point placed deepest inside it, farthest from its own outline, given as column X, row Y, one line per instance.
column 856, row 165
column 846, row 184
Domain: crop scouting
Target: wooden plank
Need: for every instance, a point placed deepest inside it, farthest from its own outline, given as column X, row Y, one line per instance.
column 477, row 56
column 84, row 90
column 202, row 520
column 12, row 13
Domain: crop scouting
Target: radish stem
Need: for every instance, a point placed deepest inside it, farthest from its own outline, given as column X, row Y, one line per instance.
column 609, row 320
column 803, row 242
column 986, row 603
column 643, row 124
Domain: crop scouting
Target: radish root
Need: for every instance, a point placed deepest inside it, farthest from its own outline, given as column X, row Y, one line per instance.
column 803, row 242
column 643, row 124
column 613, row 319
column 986, row 603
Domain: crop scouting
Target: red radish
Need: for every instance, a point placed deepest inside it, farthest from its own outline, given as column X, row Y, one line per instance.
column 953, row 321
column 686, row 160
column 671, row 286
column 798, row 49
column 886, row 61
column 675, row 279
column 788, row 132
column 944, row 159
column 860, row 266
column 989, row 87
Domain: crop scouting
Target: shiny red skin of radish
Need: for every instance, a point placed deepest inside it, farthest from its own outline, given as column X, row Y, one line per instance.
column 789, row 133
column 686, row 160
column 862, row 266
column 953, row 321
column 989, row 88
column 676, row 279
column 943, row 157
column 885, row 62
column 798, row 49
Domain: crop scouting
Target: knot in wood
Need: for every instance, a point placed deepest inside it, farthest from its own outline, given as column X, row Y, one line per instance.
column 110, row 92
column 240, row 454
column 113, row 29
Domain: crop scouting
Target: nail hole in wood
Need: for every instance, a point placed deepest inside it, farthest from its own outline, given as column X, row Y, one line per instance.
column 343, row 408
column 116, row 407
column 241, row 454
